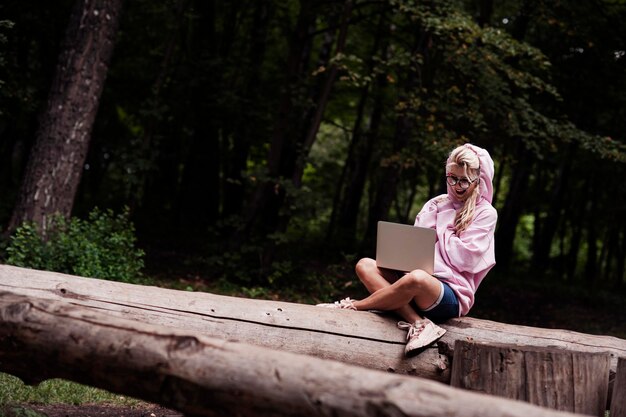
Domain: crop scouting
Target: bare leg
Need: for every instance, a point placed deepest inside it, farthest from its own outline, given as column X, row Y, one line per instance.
column 389, row 295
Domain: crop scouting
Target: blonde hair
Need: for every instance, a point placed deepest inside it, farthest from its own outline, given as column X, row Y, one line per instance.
column 467, row 159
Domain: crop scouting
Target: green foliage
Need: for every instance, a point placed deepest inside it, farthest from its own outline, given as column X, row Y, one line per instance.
column 103, row 246
column 196, row 100
column 523, row 241
column 54, row 391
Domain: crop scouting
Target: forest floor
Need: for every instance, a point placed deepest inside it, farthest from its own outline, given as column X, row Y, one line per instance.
column 547, row 304
column 86, row 410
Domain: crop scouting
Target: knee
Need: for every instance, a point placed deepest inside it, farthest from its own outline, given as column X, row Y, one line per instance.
column 365, row 266
column 415, row 280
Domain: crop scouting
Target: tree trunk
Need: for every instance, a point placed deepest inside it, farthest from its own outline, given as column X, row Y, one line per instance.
column 591, row 266
column 513, row 205
column 211, row 186
column 387, row 188
column 313, row 124
column 362, row 339
column 203, row 376
column 549, row 226
column 199, row 193
column 56, row 162
column 343, row 232
column 349, row 193
column 13, row 151
column 359, row 338
column 577, row 225
column 609, row 249
column 262, row 213
column 245, row 131
column 618, row 403
column 291, row 147
column 158, row 187
column 497, row 182
column 621, row 256
column 351, row 206
column 560, row 379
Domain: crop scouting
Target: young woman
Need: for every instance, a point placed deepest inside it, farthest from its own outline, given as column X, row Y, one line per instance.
column 465, row 222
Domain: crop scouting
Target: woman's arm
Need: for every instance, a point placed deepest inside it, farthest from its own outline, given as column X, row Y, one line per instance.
column 473, row 251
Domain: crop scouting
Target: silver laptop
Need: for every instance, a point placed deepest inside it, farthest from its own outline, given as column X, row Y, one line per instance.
column 405, row 247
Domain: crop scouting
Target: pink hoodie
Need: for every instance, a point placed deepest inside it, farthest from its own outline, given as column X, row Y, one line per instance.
column 463, row 261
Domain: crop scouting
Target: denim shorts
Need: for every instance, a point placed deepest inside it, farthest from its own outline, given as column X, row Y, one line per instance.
column 446, row 307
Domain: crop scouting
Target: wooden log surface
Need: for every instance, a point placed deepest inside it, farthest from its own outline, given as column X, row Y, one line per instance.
column 618, row 404
column 359, row 338
column 554, row 378
column 199, row 375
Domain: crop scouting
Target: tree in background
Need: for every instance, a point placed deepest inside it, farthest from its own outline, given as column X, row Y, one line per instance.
column 56, row 160
column 263, row 134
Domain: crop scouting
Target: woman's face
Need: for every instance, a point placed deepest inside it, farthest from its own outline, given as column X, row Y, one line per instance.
column 458, row 173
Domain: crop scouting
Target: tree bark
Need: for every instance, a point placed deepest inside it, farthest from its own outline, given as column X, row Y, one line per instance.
column 359, row 338
column 158, row 187
column 203, row 376
column 390, row 176
column 245, row 131
column 559, row 379
column 323, row 97
column 577, row 225
column 513, row 207
column 56, row 162
column 364, row 339
column 261, row 216
column 621, row 256
column 347, row 201
column 618, row 404
column 549, row 226
column 591, row 265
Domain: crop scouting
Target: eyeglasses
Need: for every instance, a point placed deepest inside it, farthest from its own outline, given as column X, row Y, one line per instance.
column 464, row 183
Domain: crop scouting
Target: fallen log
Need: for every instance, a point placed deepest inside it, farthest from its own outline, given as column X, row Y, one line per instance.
column 618, row 405
column 203, row 376
column 554, row 378
column 359, row 338
column 363, row 339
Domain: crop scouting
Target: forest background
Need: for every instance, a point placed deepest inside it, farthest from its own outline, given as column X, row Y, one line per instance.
column 250, row 147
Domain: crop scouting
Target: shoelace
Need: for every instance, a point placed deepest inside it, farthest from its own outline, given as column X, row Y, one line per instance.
column 413, row 329
column 346, row 303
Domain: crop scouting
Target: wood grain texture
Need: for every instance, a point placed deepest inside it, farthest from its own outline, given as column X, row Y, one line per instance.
column 618, row 404
column 554, row 378
column 358, row 338
column 203, row 376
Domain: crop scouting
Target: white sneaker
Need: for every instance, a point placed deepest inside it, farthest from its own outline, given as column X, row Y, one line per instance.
column 346, row 303
column 420, row 334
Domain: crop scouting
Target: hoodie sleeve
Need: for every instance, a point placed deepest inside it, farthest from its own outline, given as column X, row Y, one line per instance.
column 473, row 251
column 427, row 217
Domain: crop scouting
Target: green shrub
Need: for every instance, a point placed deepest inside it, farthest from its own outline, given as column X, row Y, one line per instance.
column 103, row 246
